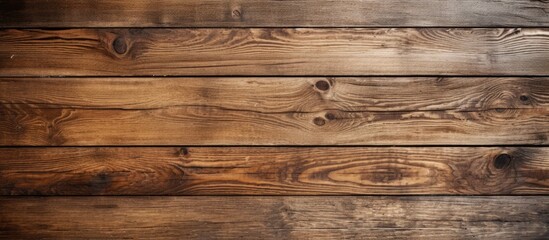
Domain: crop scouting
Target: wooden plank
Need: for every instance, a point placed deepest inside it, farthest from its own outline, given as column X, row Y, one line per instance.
column 275, row 217
column 273, row 171
column 270, row 111
column 263, row 13
column 275, row 51
column 281, row 94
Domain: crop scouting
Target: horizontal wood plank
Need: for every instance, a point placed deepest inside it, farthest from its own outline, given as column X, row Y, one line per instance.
column 275, row 51
column 273, row 171
column 274, row 217
column 272, row 13
column 281, row 94
column 270, row 111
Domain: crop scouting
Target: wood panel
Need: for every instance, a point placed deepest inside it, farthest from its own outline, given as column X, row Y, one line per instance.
column 263, row 13
column 273, row 171
column 275, row 217
column 275, row 51
column 270, row 119
column 281, row 94
column 269, row 111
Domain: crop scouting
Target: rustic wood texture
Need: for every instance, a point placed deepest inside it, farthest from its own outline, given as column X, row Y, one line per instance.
column 275, row 217
column 273, row 171
column 274, row 119
column 281, row 94
column 270, row 111
column 275, row 51
column 274, row 13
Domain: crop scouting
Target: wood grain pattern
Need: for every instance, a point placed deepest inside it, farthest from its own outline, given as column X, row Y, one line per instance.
column 275, row 51
column 241, row 119
column 275, row 217
column 281, row 94
column 270, row 111
column 273, row 171
column 264, row 13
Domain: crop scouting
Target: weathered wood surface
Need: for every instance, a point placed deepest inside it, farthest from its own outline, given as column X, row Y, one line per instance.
column 281, row 94
column 273, row 171
column 275, row 51
column 270, row 111
column 273, row 13
column 275, row 217
column 194, row 101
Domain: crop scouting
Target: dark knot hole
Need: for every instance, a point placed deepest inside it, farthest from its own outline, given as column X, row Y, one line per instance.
column 502, row 161
column 119, row 45
column 322, row 85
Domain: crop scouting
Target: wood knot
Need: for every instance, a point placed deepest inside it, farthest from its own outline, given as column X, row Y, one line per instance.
column 322, row 85
column 502, row 161
column 184, row 152
column 524, row 98
column 330, row 116
column 119, row 45
column 319, row 121
column 101, row 181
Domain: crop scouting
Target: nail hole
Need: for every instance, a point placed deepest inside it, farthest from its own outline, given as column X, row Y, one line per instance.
column 120, row 46
column 502, row 161
column 319, row 121
column 236, row 13
column 330, row 116
column 322, row 85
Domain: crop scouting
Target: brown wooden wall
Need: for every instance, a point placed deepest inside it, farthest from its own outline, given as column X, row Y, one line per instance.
column 269, row 119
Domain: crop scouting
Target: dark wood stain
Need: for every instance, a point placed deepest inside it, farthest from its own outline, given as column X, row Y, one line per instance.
column 273, row 13
column 226, row 217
